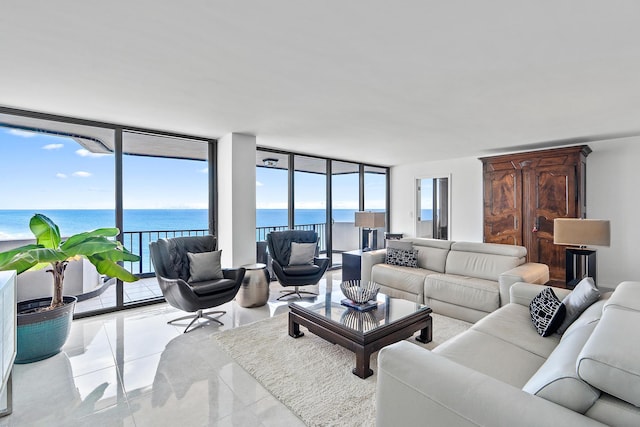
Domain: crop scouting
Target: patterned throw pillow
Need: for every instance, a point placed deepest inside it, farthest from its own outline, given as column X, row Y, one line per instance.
column 547, row 312
column 401, row 257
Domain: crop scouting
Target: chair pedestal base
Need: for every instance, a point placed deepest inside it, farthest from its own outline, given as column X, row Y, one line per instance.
column 296, row 291
column 199, row 315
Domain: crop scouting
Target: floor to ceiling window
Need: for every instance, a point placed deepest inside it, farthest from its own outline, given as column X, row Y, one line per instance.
column 69, row 169
column 345, row 202
column 310, row 196
column 272, row 192
column 375, row 199
column 166, row 195
column 307, row 197
column 66, row 174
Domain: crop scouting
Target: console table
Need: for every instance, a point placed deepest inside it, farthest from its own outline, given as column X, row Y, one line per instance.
column 8, row 318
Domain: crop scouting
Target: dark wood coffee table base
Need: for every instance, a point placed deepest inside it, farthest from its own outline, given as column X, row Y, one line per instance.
column 362, row 345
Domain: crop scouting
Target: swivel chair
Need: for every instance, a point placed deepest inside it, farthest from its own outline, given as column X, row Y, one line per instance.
column 171, row 264
column 295, row 275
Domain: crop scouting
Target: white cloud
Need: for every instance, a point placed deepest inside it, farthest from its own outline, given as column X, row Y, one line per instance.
column 22, row 133
column 259, row 184
column 205, row 170
column 82, row 174
column 52, row 146
column 61, row 175
column 83, row 152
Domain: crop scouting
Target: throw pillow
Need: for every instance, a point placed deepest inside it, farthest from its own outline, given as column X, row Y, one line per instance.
column 547, row 312
column 204, row 266
column 402, row 257
column 583, row 295
column 302, row 253
column 397, row 244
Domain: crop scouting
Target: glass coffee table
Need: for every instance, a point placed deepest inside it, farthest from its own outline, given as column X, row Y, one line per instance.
column 363, row 332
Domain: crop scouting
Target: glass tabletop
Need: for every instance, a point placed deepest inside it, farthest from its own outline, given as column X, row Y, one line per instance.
column 388, row 310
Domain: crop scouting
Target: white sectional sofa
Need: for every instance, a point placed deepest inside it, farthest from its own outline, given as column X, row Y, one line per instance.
column 465, row 280
column 500, row 372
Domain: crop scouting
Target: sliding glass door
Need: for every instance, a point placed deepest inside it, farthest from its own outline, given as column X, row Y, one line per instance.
column 166, row 195
column 345, row 202
column 310, row 197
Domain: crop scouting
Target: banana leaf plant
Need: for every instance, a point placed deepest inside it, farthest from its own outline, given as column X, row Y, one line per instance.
column 98, row 246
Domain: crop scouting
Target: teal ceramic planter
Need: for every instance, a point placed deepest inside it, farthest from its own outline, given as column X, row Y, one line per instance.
column 42, row 335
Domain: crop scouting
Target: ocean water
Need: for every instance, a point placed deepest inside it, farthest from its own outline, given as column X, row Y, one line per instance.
column 14, row 224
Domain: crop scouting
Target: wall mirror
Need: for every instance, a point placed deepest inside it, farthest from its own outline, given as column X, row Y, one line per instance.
column 433, row 213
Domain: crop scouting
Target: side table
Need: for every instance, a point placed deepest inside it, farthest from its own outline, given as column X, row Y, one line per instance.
column 351, row 263
column 254, row 291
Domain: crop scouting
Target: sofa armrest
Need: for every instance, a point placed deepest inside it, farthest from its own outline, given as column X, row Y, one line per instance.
column 522, row 293
column 420, row 387
column 369, row 259
column 530, row 272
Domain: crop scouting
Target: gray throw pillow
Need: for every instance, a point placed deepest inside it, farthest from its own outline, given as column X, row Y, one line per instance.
column 302, row 253
column 398, row 244
column 204, row 266
column 583, row 295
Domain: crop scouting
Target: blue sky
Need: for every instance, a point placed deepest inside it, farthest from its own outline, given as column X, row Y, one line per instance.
column 42, row 171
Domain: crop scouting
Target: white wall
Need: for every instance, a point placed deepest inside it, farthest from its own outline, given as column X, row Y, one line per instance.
column 237, row 199
column 613, row 192
column 465, row 198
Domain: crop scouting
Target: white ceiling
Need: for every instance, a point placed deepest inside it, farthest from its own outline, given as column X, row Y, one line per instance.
column 382, row 82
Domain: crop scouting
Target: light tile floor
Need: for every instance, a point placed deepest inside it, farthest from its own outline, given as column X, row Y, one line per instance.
column 131, row 368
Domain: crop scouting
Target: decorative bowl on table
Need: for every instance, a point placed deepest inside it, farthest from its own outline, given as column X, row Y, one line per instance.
column 360, row 292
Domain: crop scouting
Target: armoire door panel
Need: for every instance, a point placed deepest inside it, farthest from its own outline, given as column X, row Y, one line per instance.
column 552, row 194
column 503, row 207
column 554, row 190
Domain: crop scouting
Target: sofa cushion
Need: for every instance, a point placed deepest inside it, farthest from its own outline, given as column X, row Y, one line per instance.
column 547, row 312
column 626, row 296
column 468, row 259
column 432, row 253
column 583, row 295
column 403, row 258
column 609, row 359
column 591, row 314
column 557, row 379
column 469, row 292
column 300, row 269
column 512, row 323
column 492, row 356
column 403, row 278
column 613, row 411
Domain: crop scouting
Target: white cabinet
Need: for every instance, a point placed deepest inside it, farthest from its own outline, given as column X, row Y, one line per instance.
column 8, row 305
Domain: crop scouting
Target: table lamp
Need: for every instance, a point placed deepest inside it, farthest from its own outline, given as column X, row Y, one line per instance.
column 369, row 221
column 580, row 233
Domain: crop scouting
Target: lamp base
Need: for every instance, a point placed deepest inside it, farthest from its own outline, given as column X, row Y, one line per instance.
column 580, row 263
column 369, row 239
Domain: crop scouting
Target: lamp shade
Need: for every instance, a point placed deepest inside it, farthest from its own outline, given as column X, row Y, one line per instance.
column 581, row 232
column 370, row 219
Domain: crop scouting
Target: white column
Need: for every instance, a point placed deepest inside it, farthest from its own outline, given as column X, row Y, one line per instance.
column 237, row 199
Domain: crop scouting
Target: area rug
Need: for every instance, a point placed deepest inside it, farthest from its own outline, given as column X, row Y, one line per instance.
column 311, row 376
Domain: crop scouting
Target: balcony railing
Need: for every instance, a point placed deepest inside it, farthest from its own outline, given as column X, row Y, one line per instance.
column 261, row 233
column 138, row 242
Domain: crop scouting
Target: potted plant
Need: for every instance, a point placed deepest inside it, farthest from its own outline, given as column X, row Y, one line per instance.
column 44, row 323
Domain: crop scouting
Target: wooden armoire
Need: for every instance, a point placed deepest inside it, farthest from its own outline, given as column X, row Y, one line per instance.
column 525, row 192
